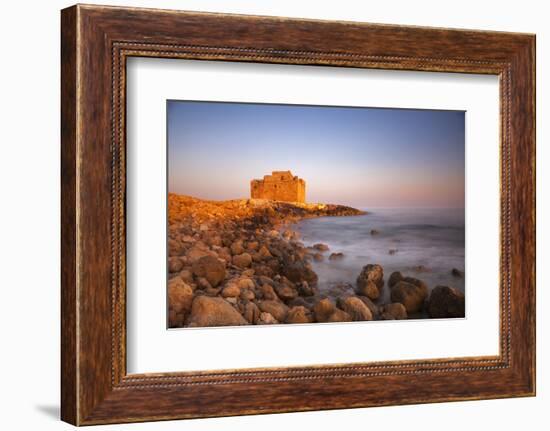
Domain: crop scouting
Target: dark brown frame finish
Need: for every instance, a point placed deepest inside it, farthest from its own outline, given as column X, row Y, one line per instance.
column 95, row 43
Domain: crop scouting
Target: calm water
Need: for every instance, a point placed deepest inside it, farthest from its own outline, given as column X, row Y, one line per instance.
column 432, row 239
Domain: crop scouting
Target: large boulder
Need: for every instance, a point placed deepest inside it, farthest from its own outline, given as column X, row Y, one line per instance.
column 210, row 268
column 368, row 289
column 180, row 298
column 395, row 278
column 355, row 308
column 208, row 311
column 276, row 308
column 339, row 316
column 371, row 272
column 446, row 301
column 412, row 296
column 251, row 313
column 371, row 306
column 323, row 309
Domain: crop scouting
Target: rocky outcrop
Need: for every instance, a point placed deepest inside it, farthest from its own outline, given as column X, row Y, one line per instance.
column 370, row 281
column 410, row 292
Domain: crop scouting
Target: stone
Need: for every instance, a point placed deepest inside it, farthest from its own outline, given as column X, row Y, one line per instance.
column 298, row 272
column 267, row 292
column 445, row 302
column 339, row 316
column 237, row 248
column 355, row 308
column 368, row 289
column 375, row 311
column 174, row 264
column 320, row 247
column 246, row 283
column 410, row 295
column 395, row 310
column 318, row 257
column 286, row 293
column 252, row 245
column 232, row 290
column 374, row 232
column 195, row 253
column 247, row 294
column 267, row 319
column 208, row 311
column 323, row 309
column 264, row 252
column 372, row 272
column 251, row 313
column 395, row 277
column 210, row 268
column 276, row 308
column 180, row 298
column 304, row 289
column 243, row 260
column 336, row 256
column 298, row 314
column 186, row 275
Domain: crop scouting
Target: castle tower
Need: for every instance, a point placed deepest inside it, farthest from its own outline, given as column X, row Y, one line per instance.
column 279, row 186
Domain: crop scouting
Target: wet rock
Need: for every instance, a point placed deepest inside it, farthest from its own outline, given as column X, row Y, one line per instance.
column 395, row 277
column 372, row 272
column 320, row 247
column 392, row 251
column 276, row 308
column 210, row 268
column 374, row 232
column 208, row 311
column 355, row 308
column 323, row 309
column 368, row 289
column 412, row 296
column 339, row 316
column 375, row 311
column 243, row 260
column 298, row 272
column 393, row 311
column 286, row 293
column 298, row 314
column 336, row 256
column 318, row 257
column 446, row 301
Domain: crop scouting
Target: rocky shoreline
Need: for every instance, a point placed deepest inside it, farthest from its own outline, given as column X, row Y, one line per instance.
column 238, row 263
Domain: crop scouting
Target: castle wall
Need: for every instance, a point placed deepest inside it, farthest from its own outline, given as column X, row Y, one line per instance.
column 279, row 186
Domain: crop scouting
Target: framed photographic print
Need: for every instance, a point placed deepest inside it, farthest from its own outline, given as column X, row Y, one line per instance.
column 329, row 214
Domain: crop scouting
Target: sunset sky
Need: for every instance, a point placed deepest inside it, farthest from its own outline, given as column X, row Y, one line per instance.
column 363, row 157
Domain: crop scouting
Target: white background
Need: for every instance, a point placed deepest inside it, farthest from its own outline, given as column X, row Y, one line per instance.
column 151, row 348
column 29, row 225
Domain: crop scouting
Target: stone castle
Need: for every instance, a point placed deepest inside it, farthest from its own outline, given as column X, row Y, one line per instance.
column 279, row 186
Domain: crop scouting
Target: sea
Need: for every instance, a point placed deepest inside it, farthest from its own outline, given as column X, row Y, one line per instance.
column 424, row 243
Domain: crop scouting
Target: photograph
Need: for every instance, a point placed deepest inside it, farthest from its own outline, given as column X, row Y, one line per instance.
column 303, row 214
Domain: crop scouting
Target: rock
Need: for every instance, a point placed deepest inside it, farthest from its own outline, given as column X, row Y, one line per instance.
column 373, row 272
column 243, row 260
column 203, row 283
column 196, row 252
column 368, row 289
column 298, row 272
column 421, row 268
column 298, row 314
column 395, row 277
column 457, row 273
column 264, row 252
column 318, row 257
column 320, row 247
column 371, row 306
column 231, row 300
column 267, row 292
column 246, row 283
column 174, row 264
column 180, row 298
column 446, row 301
column 175, row 248
column 355, row 308
column 286, row 293
column 392, row 251
column 207, row 311
column 339, row 316
column 210, row 268
column 374, row 232
column 276, row 308
column 393, row 311
column 232, row 290
column 187, row 275
column 304, row 289
column 410, row 295
column 203, row 227
column 336, row 256
column 237, row 248
column 252, row 245
column 267, row 319
column 323, row 309
column 247, row 294
column 251, row 313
